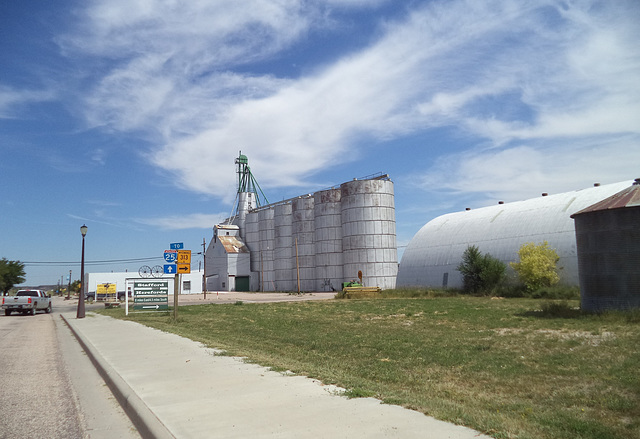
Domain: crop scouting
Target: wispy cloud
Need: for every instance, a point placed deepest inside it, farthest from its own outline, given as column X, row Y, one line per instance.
column 12, row 100
column 523, row 83
column 525, row 170
column 182, row 222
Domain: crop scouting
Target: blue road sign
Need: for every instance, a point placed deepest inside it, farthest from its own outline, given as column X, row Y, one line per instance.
column 176, row 246
column 170, row 256
column 170, row 268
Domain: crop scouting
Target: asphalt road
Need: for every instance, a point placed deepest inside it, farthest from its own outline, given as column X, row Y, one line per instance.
column 48, row 387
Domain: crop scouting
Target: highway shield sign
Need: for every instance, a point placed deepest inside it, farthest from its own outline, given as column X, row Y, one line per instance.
column 170, row 256
column 184, row 257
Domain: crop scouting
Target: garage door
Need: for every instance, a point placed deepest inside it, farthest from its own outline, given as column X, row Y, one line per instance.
column 242, row 283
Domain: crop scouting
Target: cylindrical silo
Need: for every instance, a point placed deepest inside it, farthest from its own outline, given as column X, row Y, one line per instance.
column 328, row 240
column 303, row 242
column 252, row 239
column 369, row 232
column 245, row 203
column 284, row 262
column 267, row 242
column 608, row 243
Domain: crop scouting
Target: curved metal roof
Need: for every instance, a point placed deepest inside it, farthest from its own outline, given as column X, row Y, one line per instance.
column 436, row 250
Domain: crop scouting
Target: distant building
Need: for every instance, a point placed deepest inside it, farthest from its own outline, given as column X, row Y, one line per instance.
column 191, row 283
column 228, row 260
column 433, row 255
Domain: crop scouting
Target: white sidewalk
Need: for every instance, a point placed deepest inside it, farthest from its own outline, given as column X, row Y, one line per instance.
column 179, row 388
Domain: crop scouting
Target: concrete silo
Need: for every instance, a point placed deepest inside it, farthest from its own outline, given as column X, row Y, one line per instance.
column 252, row 238
column 266, row 231
column 303, row 229
column 369, row 232
column 328, row 240
column 284, row 258
column 608, row 239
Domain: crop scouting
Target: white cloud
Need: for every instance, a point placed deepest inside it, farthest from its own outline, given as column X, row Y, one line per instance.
column 182, row 222
column 13, row 100
column 535, row 81
column 525, row 170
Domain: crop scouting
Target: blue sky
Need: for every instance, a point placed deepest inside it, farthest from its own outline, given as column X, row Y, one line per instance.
column 126, row 115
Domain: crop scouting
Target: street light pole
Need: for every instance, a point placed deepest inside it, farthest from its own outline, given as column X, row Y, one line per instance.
column 80, row 314
column 69, row 286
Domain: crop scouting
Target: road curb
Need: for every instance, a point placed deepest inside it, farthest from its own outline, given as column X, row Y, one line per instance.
column 147, row 423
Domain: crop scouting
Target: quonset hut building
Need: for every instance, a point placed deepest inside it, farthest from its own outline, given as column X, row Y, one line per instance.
column 433, row 255
column 313, row 242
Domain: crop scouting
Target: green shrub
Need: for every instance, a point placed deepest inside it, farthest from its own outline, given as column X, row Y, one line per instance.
column 481, row 274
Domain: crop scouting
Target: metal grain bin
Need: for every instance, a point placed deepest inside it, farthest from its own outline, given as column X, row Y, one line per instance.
column 608, row 244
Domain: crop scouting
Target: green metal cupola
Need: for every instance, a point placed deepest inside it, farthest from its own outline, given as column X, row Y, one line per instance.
column 246, row 181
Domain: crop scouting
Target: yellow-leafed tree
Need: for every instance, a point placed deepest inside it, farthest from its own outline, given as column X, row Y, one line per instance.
column 538, row 265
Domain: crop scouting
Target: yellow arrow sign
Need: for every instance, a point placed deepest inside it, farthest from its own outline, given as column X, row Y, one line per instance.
column 184, row 268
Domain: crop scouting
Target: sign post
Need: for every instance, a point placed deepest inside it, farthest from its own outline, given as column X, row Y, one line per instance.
column 176, row 290
column 179, row 261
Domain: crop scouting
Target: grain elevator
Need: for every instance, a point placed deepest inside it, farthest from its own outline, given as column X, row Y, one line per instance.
column 313, row 242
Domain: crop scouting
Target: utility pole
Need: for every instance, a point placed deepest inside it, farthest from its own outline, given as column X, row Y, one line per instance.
column 297, row 265
column 204, row 274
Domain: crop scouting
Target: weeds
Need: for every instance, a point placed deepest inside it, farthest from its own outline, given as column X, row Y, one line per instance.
column 560, row 310
column 510, row 368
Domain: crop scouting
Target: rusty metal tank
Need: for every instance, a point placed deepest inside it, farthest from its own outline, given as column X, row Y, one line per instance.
column 608, row 245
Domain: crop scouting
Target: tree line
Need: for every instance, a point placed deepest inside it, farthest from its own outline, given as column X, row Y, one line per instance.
column 483, row 274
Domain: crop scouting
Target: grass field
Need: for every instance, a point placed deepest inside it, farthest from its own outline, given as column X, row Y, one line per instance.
column 511, row 368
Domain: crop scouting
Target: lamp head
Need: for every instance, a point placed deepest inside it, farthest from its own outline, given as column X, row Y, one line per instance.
column 83, row 230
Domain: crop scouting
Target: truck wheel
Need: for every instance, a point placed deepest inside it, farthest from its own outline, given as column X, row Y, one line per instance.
column 7, row 312
column 48, row 310
column 33, row 310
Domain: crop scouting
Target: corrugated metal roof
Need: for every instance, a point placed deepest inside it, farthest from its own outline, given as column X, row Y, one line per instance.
column 629, row 197
column 233, row 245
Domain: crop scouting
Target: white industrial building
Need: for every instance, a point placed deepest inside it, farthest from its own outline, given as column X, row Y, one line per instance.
column 228, row 259
column 191, row 283
column 313, row 242
column 433, row 255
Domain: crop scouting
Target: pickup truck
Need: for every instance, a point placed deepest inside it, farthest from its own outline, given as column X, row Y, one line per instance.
column 27, row 302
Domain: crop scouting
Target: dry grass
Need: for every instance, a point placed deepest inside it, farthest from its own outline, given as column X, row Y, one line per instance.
column 504, row 367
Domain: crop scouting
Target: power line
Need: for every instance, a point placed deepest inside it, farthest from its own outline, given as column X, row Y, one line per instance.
column 104, row 262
